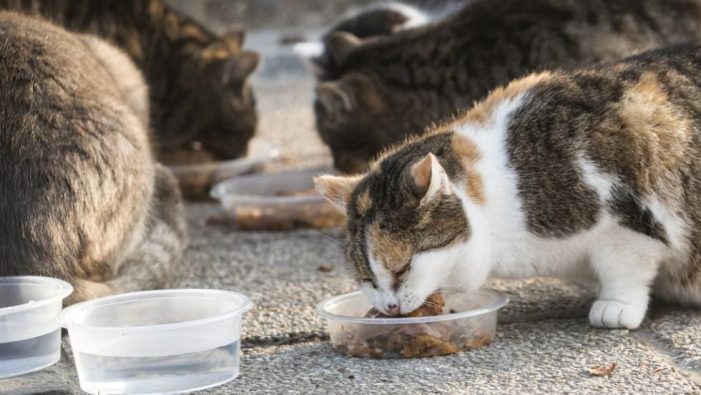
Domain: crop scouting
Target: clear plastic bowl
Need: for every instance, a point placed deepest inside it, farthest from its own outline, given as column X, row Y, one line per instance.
column 195, row 180
column 165, row 341
column 276, row 201
column 472, row 325
column 30, row 337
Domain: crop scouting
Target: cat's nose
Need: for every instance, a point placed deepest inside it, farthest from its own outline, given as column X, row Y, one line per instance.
column 392, row 309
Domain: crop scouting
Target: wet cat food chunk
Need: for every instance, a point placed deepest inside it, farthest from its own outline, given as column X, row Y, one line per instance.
column 433, row 305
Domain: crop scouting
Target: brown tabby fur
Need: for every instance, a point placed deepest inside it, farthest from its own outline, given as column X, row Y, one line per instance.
column 81, row 195
column 390, row 87
column 197, row 80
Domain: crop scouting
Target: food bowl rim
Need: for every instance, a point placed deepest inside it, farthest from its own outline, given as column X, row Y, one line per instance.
column 63, row 289
column 218, row 190
column 67, row 322
column 498, row 300
column 270, row 152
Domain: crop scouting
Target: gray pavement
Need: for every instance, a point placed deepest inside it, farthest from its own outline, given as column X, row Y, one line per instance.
column 543, row 345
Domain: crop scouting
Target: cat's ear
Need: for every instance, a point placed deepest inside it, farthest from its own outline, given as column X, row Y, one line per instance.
column 337, row 189
column 334, row 98
column 354, row 90
column 341, row 44
column 430, row 177
column 238, row 67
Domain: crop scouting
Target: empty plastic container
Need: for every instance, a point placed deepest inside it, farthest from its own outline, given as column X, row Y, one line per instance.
column 30, row 337
column 470, row 324
column 166, row 341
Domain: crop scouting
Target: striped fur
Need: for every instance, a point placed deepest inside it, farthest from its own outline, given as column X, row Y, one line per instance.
column 198, row 81
column 81, row 196
column 384, row 89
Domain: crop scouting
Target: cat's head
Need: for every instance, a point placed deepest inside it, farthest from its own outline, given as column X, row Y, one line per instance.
column 410, row 225
column 210, row 100
column 375, row 20
column 361, row 113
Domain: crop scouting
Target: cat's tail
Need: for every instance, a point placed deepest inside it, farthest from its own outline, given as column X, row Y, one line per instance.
column 153, row 260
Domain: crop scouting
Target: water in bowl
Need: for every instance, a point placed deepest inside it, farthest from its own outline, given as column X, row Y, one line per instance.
column 170, row 374
column 28, row 355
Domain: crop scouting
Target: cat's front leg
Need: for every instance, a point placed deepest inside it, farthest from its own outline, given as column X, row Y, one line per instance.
column 626, row 264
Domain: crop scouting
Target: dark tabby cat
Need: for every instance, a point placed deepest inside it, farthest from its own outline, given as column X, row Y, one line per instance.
column 197, row 81
column 81, row 197
column 376, row 20
column 595, row 172
column 397, row 85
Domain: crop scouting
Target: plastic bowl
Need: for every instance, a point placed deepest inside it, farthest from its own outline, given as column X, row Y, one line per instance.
column 277, row 201
column 30, row 337
column 195, row 180
column 166, row 341
column 472, row 326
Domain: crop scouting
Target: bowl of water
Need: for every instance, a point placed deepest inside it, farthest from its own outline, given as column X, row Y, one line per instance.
column 165, row 341
column 30, row 337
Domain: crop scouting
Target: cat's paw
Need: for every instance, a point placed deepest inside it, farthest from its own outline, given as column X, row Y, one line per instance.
column 614, row 314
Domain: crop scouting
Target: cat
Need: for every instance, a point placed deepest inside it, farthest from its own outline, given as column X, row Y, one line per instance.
column 375, row 20
column 81, row 196
column 593, row 173
column 198, row 81
column 394, row 86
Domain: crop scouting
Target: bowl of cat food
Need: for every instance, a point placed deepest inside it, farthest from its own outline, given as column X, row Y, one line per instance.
column 197, row 169
column 441, row 326
column 279, row 201
column 30, row 337
column 164, row 341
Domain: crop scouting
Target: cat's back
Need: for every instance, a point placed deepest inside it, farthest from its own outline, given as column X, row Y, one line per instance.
column 57, row 86
column 75, row 159
column 39, row 59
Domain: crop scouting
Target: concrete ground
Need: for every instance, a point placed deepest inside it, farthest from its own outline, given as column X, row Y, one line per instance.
column 544, row 343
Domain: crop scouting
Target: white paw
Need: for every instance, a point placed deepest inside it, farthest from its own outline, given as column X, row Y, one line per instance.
column 614, row 314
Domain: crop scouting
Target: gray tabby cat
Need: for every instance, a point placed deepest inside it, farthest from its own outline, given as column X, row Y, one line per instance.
column 594, row 173
column 387, row 88
column 81, row 197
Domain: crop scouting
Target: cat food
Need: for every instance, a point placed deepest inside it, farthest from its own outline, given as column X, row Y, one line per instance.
column 427, row 332
column 281, row 201
column 197, row 169
column 601, row 371
column 433, row 305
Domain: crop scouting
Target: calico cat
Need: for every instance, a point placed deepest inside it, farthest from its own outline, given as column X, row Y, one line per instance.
column 390, row 87
column 198, row 82
column 81, row 197
column 594, row 172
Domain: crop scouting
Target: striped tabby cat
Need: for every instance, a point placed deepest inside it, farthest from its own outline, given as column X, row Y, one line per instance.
column 81, row 197
column 594, row 172
column 197, row 81
column 387, row 88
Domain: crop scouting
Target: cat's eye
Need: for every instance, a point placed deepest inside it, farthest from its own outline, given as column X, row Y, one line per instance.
column 403, row 270
column 368, row 280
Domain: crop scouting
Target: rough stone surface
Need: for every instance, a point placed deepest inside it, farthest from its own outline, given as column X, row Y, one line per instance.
column 544, row 344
